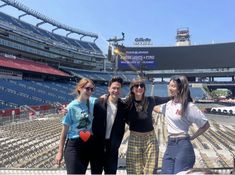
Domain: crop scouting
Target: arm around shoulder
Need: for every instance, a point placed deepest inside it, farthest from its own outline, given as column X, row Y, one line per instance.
column 161, row 100
column 157, row 109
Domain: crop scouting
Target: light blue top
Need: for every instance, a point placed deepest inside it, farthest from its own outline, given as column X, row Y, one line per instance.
column 78, row 118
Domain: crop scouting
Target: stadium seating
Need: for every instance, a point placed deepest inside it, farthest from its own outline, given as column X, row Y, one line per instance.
column 30, row 66
column 29, row 144
column 197, row 93
column 34, row 144
column 102, row 76
column 31, row 93
column 33, row 30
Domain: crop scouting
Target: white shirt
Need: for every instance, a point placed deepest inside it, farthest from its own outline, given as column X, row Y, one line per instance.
column 178, row 124
column 111, row 114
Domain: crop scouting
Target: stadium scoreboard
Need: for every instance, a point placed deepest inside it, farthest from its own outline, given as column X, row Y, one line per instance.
column 138, row 58
column 207, row 56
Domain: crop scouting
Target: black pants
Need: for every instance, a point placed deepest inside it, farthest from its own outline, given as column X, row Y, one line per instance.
column 77, row 155
column 104, row 158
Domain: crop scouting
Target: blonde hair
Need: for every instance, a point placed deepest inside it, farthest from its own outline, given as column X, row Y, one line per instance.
column 81, row 84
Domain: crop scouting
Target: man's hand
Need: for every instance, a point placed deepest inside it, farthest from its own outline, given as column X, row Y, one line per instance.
column 63, row 111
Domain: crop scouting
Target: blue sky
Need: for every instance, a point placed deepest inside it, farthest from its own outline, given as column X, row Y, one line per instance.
column 209, row 21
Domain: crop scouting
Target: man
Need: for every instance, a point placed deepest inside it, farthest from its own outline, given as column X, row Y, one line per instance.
column 108, row 129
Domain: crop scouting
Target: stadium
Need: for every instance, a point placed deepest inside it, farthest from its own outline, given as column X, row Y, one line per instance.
column 39, row 70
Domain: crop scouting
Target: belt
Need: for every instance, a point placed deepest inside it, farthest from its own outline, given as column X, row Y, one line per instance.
column 177, row 139
column 179, row 136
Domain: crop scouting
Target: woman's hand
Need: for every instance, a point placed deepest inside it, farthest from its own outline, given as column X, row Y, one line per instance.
column 104, row 96
column 58, row 158
column 157, row 109
column 200, row 131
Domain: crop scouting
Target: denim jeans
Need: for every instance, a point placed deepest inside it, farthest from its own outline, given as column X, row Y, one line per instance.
column 179, row 156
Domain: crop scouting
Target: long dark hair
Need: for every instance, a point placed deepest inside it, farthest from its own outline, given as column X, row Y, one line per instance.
column 183, row 93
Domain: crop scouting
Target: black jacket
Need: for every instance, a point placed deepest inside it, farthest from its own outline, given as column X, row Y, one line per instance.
column 99, row 124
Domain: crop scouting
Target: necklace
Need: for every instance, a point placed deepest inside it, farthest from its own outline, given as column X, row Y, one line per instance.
column 138, row 106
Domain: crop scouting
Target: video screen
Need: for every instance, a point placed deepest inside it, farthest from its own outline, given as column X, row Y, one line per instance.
column 137, row 59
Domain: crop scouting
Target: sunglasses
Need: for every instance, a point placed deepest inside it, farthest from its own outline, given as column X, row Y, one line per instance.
column 89, row 89
column 141, row 85
column 177, row 79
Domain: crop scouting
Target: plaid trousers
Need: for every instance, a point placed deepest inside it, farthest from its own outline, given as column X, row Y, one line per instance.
column 142, row 153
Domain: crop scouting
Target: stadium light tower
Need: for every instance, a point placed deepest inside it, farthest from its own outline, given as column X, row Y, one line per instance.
column 116, row 50
column 183, row 37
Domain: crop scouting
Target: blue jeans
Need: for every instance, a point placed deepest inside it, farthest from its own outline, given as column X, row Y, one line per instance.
column 179, row 156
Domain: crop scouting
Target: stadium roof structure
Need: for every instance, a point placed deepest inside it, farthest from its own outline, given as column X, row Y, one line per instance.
column 46, row 19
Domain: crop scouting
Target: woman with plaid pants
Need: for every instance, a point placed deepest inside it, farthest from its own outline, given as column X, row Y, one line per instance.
column 142, row 151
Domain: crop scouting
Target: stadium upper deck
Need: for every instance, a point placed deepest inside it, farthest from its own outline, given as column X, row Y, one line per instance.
column 26, row 40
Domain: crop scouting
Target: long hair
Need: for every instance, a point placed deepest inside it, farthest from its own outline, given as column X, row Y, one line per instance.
column 81, row 84
column 183, row 91
column 131, row 96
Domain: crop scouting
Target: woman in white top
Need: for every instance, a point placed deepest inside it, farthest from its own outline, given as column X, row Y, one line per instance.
column 180, row 113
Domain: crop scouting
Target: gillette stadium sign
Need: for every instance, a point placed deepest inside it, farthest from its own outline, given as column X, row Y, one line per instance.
column 142, row 42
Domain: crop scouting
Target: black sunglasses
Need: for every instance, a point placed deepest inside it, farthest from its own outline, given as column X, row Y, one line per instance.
column 141, row 85
column 89, row 89
column 176, row 78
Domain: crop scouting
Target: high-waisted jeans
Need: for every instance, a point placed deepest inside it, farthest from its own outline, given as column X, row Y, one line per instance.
column 179, row 156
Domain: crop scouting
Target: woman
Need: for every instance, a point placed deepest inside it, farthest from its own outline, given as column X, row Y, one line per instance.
column 142, row 150
column 180, row 113
column 77, row 129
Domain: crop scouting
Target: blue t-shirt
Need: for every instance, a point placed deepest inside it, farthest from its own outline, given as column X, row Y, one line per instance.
column 78, row 118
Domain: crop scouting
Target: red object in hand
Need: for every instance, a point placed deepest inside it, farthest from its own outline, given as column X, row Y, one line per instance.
column 85, row 135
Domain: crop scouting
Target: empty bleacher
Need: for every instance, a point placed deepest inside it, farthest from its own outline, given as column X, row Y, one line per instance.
column 197, row 92
column 29, row 92
column 28, row 65
column 34, row 93
column 30, row 144
column 100, row 76
column 33, row 144
column 26, row 92
column 49, row 36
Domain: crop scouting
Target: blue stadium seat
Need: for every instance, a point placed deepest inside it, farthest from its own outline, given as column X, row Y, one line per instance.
column 28, row 28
